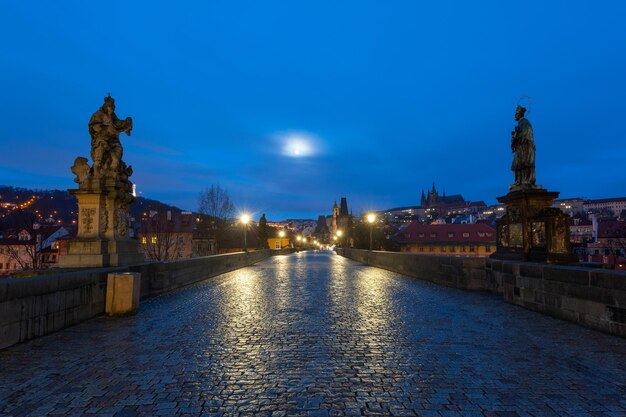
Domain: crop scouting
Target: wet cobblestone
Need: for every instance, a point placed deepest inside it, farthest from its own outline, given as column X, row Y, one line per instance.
column 314, row 334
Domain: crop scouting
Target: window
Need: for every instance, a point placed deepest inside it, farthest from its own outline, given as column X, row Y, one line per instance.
column 488, row 248
column 421, row 234
column 421, row 249
column 471, row 249
column 153, row 239
column 462, row 248
column 452, row 249
column 431, row 248
column 443, row 248
column 465, row 234
column 144, row 240
column 433, row 235
column 450, row 234
column 277, row 245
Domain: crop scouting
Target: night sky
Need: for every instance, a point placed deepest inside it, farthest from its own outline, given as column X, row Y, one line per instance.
column 291, row 105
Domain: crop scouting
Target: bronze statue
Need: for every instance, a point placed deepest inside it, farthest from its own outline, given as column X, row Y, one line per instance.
column 523, row 147
column 105, row 129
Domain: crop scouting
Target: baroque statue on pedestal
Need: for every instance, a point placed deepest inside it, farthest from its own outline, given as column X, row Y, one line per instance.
column 104, row 195
column 523, row 147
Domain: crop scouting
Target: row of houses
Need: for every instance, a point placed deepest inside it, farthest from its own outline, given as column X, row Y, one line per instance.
column 161, row 237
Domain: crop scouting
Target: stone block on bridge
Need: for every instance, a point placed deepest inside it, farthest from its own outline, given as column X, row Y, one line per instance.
column 123, row 292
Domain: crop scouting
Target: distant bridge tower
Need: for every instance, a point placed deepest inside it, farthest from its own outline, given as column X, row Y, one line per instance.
column 335, row 215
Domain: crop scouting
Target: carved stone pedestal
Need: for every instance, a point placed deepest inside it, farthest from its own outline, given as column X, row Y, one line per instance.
column 102, row 238
column 531, row 230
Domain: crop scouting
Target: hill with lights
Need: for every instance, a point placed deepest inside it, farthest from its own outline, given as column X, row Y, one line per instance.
column 58, row 206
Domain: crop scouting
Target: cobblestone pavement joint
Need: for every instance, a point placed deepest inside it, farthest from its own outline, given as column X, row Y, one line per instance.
column 315, row 334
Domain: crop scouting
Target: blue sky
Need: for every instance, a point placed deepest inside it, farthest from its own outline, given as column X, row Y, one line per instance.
column 386, row 96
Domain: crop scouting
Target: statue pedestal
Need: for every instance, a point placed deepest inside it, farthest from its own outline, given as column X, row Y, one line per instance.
column 102, row 238
column 531, row 230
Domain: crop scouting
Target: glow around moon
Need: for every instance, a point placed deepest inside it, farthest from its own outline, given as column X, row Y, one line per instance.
column 298, row 144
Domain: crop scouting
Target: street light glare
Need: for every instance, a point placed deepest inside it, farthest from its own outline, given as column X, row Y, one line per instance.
column 371, row 218
column 245, row 218
column 281, row 233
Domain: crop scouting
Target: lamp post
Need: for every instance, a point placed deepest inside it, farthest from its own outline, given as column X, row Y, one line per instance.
column 281, row 235
column 371, row 218
column 244, row 222
column 339, row 234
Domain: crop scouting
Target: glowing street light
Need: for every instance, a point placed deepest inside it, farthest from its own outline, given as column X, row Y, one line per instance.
column 371, row 218
column 245, row 219
column 281, row 235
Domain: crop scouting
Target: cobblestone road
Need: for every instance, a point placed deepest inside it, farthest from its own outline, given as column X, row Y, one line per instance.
column 318, row 335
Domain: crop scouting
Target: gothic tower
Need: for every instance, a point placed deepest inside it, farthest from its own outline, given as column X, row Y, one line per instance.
column 335, row 215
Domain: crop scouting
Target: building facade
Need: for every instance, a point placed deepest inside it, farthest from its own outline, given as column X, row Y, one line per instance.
column 473, row 240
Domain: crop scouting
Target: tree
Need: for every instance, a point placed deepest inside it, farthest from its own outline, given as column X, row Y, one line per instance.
column 162, row 237
column 263, row 232
column 23, row 246
column 215, row 203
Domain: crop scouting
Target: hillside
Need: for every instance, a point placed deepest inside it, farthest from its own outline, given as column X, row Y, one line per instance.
column 59, row 206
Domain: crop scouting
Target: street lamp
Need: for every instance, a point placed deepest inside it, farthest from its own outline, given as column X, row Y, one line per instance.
column 371, row 218
column 281, row 235
column 244, row 222
column 338, row 237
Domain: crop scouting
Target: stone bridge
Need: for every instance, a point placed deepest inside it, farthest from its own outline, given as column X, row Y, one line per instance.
column 316, row 334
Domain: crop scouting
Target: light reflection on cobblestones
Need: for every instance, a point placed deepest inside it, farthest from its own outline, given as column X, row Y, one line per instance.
column 318, row 335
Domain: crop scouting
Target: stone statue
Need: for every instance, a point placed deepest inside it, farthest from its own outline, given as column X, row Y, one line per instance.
column 104, row 195
column 80, row 169
column 105, row 129
column 523, row 147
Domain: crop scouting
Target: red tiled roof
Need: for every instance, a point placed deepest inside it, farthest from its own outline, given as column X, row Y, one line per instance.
column 606, row 200
column 446, row 233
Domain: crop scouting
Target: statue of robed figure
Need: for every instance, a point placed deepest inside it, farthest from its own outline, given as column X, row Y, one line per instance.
column 523, row 147
column 105, row 129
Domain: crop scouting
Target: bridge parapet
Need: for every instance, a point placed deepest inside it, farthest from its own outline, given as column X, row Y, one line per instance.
column 36, row 306
column 594, row 298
